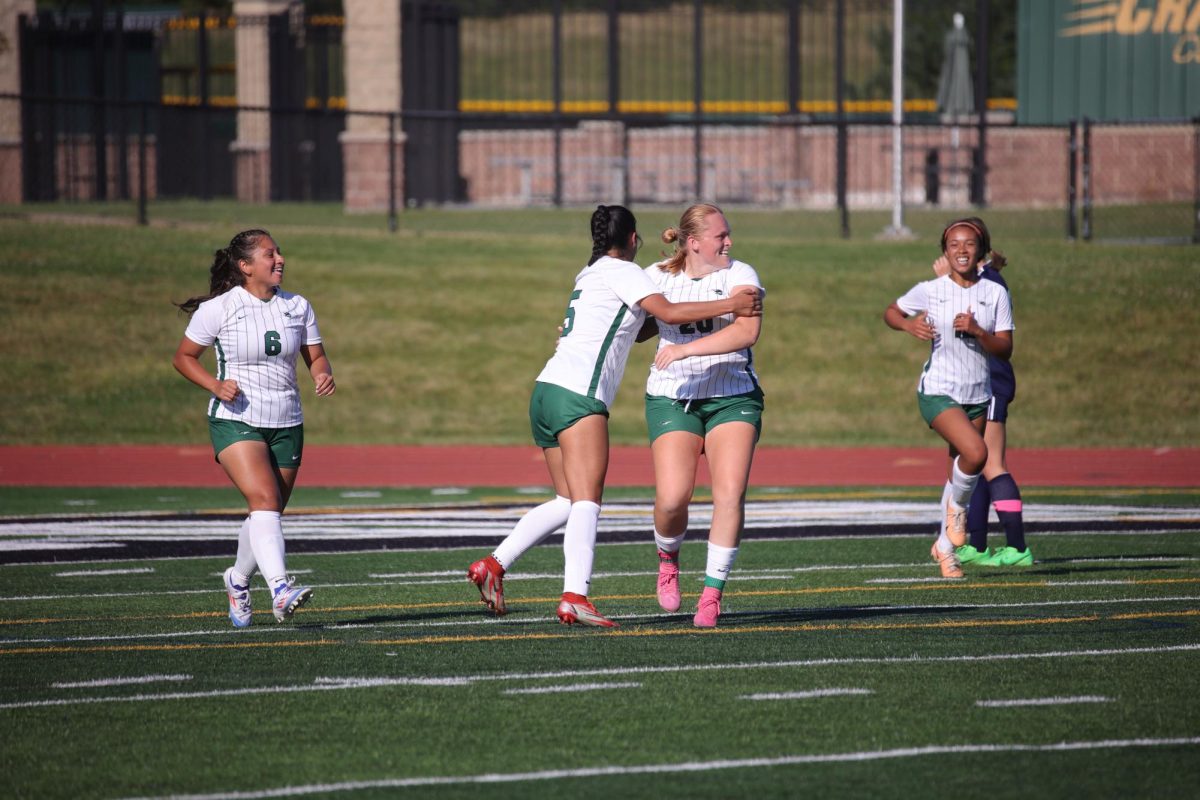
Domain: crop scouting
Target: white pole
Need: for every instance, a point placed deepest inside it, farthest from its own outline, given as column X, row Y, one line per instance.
column 897, row 228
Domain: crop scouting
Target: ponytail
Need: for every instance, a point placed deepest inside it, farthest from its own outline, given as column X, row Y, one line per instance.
column 224, row 273
column 692, row 223
column 611, row 228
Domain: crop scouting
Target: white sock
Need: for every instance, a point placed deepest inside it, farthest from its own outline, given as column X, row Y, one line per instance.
column 579, row 546
column 244, row 565
column 944, row 545
column 962, row 485
column 536, row 525
column 720, row 561
column 266, row 538
column 946, row 492
column 669, row 544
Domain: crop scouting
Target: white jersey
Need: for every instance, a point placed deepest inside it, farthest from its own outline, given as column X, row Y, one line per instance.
column 701, row 377
column 958, row 364
column 256, row 343
column 601, row 325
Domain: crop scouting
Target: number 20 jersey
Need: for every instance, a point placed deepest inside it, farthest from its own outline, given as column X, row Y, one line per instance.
column 702, row 377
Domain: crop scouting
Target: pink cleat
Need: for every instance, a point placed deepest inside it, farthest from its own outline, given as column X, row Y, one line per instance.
column 708, row 609
column 668, row 581
column 488, row 576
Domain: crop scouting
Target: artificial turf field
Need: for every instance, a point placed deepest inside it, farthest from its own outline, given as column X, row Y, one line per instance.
column 843, row 665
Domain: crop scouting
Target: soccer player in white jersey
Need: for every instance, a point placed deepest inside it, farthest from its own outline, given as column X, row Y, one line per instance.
column 966, row 319
column 702, row 397
column 254, row 416
column 568, row 411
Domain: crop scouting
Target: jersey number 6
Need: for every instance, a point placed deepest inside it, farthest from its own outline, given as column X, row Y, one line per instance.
column 272, row 344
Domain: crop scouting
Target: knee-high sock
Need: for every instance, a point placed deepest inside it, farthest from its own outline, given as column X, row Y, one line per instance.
column 536, row 525
column 244, row 566
column 1007, row 499
column 943, row 541
column 977, row 514
column 266, row 539
column 669, row 544
column 579, row 546
column 720, row 562
column 961, row 485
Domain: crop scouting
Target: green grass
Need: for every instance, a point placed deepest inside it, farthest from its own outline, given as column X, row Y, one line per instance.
column 924, row 653
column 437, row 332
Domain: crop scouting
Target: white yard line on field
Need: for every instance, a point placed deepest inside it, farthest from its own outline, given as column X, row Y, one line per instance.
column 1043, row 701
column 122, row 681
column 691, row 766
column 574, row 687
column 805, row 695
column 513, row 619
column 333, row 684
column 91, row 572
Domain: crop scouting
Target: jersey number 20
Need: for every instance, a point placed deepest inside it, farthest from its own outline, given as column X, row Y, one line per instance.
column 703, row 326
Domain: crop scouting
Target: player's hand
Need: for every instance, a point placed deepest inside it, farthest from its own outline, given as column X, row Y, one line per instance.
column 747, row 302
column 965, row 323
column 920, row 326
column 325, row 385
column 226, row 391
column 941, row 266
column 668, row 355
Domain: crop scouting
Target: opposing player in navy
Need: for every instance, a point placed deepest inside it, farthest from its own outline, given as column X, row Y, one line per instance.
column 254, row 416
column 966, row 320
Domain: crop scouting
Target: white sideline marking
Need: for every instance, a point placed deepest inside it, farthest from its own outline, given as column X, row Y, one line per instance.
column 89, row 572
column 1044, row 701
column 449, row 490
column 576, row 687
column 690, row 766
column 121, row 681
column 362, row 494
column 330, row 684
column 515, row 619
column 805, row 695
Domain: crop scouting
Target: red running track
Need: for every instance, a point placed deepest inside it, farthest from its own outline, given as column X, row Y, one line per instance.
column 378, row 466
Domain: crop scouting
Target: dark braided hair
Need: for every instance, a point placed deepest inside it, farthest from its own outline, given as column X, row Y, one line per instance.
column 224, row 273
column 611, row 227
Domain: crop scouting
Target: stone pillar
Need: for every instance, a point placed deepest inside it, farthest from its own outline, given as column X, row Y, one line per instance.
column 252, row 148
column 11, row 173
column 371, row 43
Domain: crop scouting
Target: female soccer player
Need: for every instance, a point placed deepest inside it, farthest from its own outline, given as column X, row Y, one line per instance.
column 997, row 487
column 568, row 411
column 966, row 319
column 254, row 416
column 702, row 396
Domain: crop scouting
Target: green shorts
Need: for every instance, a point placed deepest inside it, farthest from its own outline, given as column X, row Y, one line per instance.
column 664, row 415
column 933, row 404
column 553, row 409
column 286, row 445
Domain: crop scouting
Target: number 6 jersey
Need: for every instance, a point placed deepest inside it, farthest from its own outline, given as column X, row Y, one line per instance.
column 256, row 343
column 702, row 377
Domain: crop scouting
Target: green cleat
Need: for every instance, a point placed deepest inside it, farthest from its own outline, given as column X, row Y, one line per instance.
column 967, row 554
column 1008, row 557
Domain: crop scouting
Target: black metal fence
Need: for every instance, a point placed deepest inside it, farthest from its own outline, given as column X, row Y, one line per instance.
column 774, row 103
